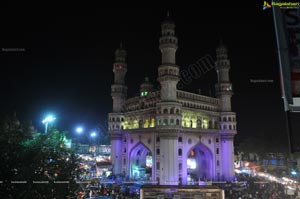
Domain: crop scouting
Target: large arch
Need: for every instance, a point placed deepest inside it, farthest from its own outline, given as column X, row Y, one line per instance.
column 140, row 162
column 199, row 164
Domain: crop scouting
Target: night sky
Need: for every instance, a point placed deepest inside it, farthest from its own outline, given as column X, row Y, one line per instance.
column 63, row 62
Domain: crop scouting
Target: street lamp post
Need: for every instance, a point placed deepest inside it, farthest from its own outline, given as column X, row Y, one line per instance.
column 47, row 120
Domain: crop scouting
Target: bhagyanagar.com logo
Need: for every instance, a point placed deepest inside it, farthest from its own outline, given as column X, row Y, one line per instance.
column 282, row 5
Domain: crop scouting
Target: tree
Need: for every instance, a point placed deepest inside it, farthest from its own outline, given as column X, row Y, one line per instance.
column 42, row 162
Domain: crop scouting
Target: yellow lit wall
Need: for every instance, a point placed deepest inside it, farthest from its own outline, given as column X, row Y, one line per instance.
column 146, row 123
column 205, row 123
column 152, row 124
column 191, row 116
column 135, row 124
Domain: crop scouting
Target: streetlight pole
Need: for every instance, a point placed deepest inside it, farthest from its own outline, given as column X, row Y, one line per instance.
column 46, row 127
column 46, row 122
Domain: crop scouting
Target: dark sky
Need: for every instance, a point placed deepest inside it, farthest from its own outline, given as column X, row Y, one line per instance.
column 64, row 64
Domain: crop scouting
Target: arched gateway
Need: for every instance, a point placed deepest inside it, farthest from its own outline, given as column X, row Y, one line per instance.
column 140, row 162
column 199, row 164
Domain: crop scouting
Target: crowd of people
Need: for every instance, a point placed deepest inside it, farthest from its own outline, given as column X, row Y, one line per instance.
column 244, row 187
column 255, row 188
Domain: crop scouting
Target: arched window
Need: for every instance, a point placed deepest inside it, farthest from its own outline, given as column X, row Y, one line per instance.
column 191, row 123
column 217, row 140
column 165, row 111
column 216, row 125
column 217, row 152
column 199, row 124
column 179, row 139
column 165, row 121
column 224, row 119
column 122, row 119
column 118, row 119
column 113, row 119
column 224, row 126
column 177, row 121
column 140, row 123
column 210, row 124
column 172, row 121
column 180, row 152
column 229, row 119
column 172, row 110
column 157, row 151
column 177, row 111
column 230, row 127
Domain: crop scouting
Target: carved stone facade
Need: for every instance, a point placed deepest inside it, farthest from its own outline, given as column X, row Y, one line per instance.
column 171, row 136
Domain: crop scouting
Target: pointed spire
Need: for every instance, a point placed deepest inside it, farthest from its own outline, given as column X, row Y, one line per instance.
column 210, row 92
column 221, row 45
column 120, row 53
column 168, row 18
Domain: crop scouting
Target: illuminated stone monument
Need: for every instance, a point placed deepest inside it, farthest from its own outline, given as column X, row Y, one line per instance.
column 170, row 136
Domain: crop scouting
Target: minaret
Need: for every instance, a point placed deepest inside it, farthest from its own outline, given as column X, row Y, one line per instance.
column 227, row 117
column 119, row 89
column 118, row 93
column 169, row 109
column 168, row 71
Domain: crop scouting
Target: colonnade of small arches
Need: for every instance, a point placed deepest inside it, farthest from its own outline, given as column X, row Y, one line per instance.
column 169, row 71
column 228, row 119
column 196, row 97
column 199, row 106
column 163, row 122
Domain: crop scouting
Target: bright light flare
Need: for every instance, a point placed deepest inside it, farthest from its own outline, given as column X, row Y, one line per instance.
column 50, row 118
column 79, row 130
column 191, row 163
column 93, row 134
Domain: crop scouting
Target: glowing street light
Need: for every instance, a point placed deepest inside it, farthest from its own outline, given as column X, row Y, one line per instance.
column 46, row 121
column 79, row 130
column 93, row 134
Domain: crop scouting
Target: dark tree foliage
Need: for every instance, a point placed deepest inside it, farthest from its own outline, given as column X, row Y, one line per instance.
column 35, row 165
